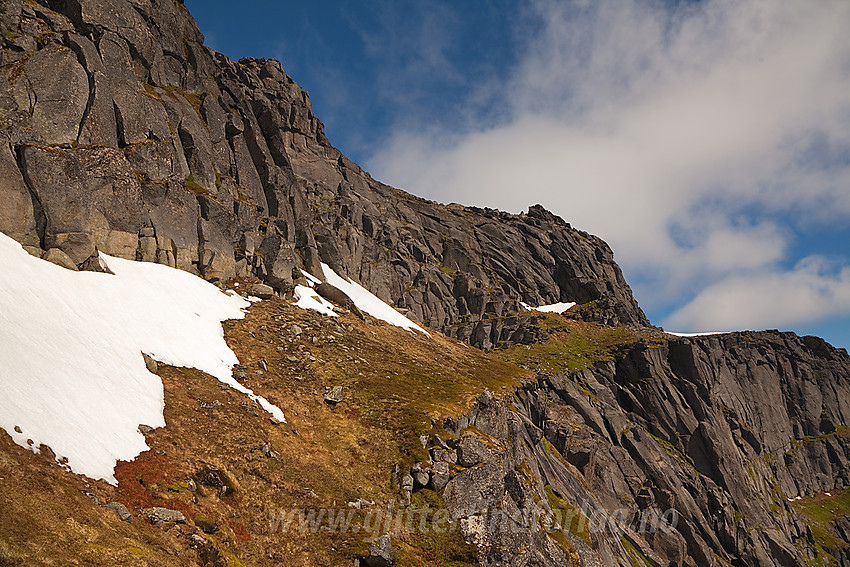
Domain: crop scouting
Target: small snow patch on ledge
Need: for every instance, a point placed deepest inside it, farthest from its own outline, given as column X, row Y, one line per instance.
column 696, row 334
column 370, row 303
column 560, row 307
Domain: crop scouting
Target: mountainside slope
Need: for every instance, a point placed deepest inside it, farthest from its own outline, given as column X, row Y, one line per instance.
column 125, row 134
column 592, row 439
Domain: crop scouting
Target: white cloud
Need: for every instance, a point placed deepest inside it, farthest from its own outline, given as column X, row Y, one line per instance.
column 813, row 290
column 694, row 139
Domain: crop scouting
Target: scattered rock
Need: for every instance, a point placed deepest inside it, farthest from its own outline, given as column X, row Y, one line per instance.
column 213, row 477
column 159, row 516
column 333, row 396
column 380, row 553
column 121, row 510
column 207, row 525
column 150, row 364
column 58, row 257
column 267, row 450
column 145, row 429
column 262, row 291
column 209, row 405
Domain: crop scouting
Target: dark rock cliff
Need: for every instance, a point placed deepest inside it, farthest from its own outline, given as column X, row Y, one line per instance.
column 729, row 437
column 122, row 133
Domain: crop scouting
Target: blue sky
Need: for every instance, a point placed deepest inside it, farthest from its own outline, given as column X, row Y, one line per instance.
column 708, row 142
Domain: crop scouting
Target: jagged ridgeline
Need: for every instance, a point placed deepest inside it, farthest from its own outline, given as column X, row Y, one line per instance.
column 123, row 133
column 588, row 440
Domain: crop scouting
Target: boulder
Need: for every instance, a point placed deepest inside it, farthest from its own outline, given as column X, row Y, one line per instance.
column 56, row 256
column 470, row 451
column 421, row 474
column 380, row 553
column 439, row 476
column 263, row 291
column 122, row 511
column 336, row 295
column 333, row 395
column 159, row 516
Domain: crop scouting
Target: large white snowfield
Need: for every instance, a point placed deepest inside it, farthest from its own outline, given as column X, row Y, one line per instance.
column 72, row 373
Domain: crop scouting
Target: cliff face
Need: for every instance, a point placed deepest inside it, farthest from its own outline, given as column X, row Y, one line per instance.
column 727, row 431
column 123, row 133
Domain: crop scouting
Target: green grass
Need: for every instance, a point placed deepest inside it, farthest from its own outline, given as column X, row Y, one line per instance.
column 574, row 345
column 194, row 187
column 430, row 547
column 636, row 556
column 577, row 523
column 797, row 444
column 820, row 512
column 407, row 384
column 569, row 549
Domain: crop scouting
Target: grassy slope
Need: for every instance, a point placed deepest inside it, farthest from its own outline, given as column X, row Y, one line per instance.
column 574, row 345
column 397, row 386
column 394, row 383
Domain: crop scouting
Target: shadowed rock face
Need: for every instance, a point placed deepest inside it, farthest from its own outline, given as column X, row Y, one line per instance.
column 725, row 430
column 122, row 133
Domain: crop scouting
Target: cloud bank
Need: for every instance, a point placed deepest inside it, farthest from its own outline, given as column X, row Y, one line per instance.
column 699, row 139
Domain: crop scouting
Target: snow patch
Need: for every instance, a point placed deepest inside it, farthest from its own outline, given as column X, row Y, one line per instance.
column 696, row 334
column 370, row 303
column 551, row 308
column 307, row 298
column 71, row 345
column 313, row 279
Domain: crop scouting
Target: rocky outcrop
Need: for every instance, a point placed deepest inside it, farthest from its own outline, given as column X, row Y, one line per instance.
column 700, row 452
column 120, row 132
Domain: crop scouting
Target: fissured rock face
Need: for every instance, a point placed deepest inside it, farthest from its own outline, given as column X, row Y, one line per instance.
column 122, row 133
column 720, row 435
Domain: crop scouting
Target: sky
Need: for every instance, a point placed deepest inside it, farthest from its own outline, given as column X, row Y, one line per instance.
column 708, row 142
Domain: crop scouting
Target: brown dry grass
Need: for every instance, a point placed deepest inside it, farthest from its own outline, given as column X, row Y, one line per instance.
column 394, row 383
column 574, row 344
